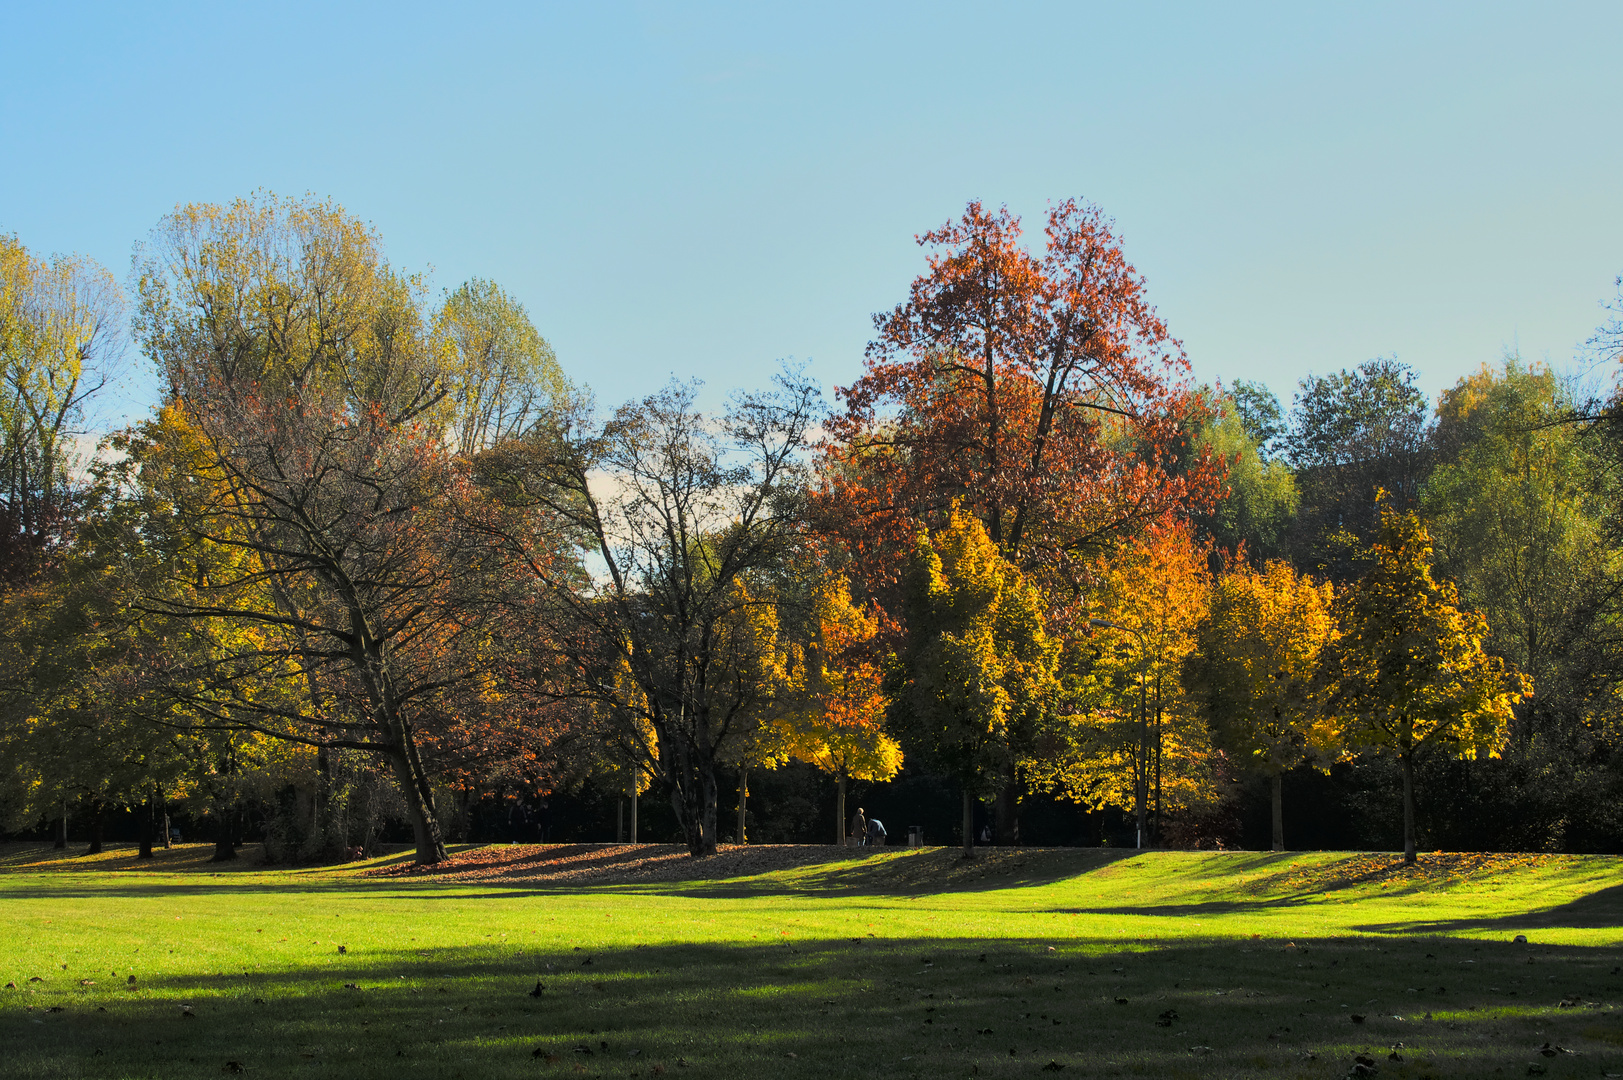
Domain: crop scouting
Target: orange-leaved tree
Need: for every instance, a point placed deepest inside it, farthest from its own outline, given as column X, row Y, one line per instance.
column 839, row 724
column 1133, row 739
column 1040, row 392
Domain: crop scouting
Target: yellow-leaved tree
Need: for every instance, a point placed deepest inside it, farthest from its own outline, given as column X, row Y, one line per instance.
column 1408, row 674
column 976, row 678
column 1254, row 668
column 838, row 724
column 1135, row 740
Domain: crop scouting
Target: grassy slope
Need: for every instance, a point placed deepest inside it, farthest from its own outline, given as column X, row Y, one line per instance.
column 901, row 964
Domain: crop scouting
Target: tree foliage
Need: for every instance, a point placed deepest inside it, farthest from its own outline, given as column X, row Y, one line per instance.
column 1254, row 670
column 1408, row 673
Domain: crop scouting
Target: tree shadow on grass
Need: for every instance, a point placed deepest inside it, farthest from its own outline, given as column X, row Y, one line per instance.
column 1600, row 910
column 844, row 1007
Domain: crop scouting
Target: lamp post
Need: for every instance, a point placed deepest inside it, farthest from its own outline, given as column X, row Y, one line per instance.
column 1140, row 780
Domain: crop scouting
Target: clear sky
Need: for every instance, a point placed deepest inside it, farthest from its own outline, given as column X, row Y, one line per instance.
column 700, row 190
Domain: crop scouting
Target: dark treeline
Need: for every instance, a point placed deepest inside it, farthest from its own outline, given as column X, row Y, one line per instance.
column 373, row 570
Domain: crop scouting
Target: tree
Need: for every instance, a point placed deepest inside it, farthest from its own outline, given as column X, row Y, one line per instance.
column 976, row 676
column 59, row 326
column 1519, row 506
column 1408, row 673
column 1254, row 667
column 1259, row 413
column 1134, row 740
column 693, row 522
column 1353, row 434
column 306, row 429
column 1257, row 503
column 1042, row 395
column 1037, row 393
column 839, row 722
column 502, row 375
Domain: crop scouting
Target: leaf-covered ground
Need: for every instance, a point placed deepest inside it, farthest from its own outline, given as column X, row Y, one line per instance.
column 891, row 963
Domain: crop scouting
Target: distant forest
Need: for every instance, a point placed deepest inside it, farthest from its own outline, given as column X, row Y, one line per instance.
column 373, row 570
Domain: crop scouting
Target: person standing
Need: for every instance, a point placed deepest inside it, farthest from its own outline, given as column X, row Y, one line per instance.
column 876, row 833
column 859, row 827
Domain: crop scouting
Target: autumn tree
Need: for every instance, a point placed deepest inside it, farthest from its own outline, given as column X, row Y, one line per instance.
column 1519, row 507
column 60, row 321
column 1038, row 392
column 1254, row 668
column 306, row 422
column 975, row 680
column 1132, row 737
column 501, row 375
column 693, row 522
column 838, row 719
column 1042, row 393
column 1408, row 674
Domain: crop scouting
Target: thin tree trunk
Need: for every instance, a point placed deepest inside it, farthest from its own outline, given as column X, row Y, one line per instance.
column 1007, row 821
column 969, row 825
column 839, row 809
column 98, row 815
column 1279, row 810
column 743, row 798
column 225, row 848
column 148, row 827
column 620, row 820
column 1408, row 808
column 634, row 783
column 168, row 840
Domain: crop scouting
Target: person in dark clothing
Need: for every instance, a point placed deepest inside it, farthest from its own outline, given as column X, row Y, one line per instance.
column 876, row 833
column 859, row 827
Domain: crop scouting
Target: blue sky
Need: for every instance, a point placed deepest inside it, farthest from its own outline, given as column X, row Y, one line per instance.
column 700, row 190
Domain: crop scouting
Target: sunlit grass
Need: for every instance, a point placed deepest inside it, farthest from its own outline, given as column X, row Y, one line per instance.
column 904, row 963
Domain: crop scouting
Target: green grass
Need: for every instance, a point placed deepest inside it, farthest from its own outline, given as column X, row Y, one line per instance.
column 900, row 964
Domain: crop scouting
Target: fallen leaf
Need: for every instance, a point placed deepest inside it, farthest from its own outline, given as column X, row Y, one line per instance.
column 233, row 1067
column 1358, row 1018
column 539, row 989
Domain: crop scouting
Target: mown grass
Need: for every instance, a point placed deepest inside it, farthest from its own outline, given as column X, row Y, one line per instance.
column 900, row 964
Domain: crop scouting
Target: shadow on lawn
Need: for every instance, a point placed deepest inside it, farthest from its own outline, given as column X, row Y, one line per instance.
column 1598, row 910
column 848, row 1007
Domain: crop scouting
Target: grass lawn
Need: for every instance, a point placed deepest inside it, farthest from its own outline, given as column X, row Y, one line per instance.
column 897, row 964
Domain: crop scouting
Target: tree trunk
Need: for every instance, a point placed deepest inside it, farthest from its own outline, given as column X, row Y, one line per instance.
column 1408, row 808
column 319, row 842
column 419, row 793
column 694, row 798
column 839, row 809
column 969, row 824
column 168, row 841
column 634, row 809
column 743, row 799
column 1006, row 825
column 225, row 848
column 620, row 820
column 62, row 833
column 148, row 827
column 1279, row 810
column 98, row 817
